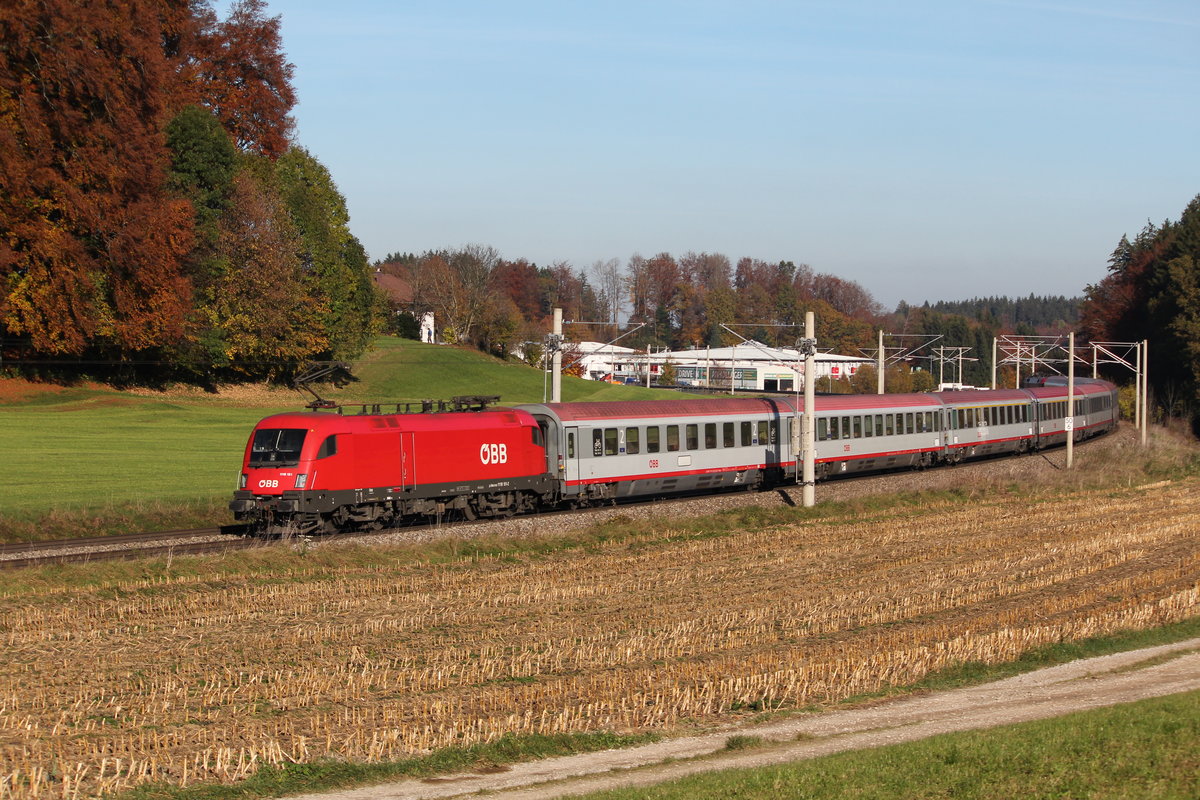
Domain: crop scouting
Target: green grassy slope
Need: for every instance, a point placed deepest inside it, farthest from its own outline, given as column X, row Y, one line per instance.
column 401, row 369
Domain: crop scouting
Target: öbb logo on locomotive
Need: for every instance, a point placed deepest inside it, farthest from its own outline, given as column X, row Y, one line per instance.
column 493, row 453
column 323, row 470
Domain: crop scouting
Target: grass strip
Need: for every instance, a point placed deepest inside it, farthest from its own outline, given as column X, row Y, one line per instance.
column 1148, row 749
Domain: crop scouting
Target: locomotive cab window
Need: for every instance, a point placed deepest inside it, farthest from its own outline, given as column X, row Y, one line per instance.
column 276, row 447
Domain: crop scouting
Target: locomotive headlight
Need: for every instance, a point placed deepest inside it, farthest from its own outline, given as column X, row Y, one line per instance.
column 242, row 481
column 301, row 480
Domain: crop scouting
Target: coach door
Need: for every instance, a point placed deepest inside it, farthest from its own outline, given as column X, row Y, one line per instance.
column 571, row 449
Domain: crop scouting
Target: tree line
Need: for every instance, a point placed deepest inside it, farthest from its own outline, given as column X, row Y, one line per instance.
column 154, row 209
column 697, row 300
column 694, row 300
column 1152, row 293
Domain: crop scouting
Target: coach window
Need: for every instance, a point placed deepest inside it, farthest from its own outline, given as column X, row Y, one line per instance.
column 610, row 441
column 692, row 432
column 631, row 441
column 858, row 431
column 710, row 435
column 845, row 427
column 652, row 439
column 763, row 437
column 747, row 431
column 598, row 442
column 727, row 435
column 908, row 423
column 672, row 438
column 888, row 430
column 879, row 424
column 571, row 445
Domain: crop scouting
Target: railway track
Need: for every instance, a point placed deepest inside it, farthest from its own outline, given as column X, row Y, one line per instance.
column 126, row 546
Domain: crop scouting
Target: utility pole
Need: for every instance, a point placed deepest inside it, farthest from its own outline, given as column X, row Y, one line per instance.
column 1145, row 388
column 993, row 363
column 1137, row 389
column 878, row 363
column 809, row 347
column 556, row 336
column 1070, row 421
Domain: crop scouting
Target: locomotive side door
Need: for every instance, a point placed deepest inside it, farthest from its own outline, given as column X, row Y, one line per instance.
column 408, row 464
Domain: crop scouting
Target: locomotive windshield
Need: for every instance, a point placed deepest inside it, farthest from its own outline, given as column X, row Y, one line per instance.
column 276, row 447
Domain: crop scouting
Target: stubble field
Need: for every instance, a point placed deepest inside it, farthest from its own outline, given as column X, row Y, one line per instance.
column 205, row 675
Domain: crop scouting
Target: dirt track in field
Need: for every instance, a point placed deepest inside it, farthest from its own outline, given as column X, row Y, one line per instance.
column 1078, row 686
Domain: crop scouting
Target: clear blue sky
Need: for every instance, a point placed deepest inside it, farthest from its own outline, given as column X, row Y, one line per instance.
column 928, row 150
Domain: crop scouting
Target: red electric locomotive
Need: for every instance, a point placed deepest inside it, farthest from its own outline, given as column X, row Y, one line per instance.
column 317, row 471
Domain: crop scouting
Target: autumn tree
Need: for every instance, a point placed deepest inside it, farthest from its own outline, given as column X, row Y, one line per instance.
column 334, row 263
column 456, row 285
column 91, row 241
column 518, row 281
column 261, row 305
column 239, row 72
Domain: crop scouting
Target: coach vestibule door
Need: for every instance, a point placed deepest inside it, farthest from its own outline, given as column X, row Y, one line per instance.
column 571, row 449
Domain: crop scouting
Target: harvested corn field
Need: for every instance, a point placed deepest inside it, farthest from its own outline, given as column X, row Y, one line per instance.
column 185, row 680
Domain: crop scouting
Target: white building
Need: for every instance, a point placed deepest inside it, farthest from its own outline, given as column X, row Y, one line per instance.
column 749, row 366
